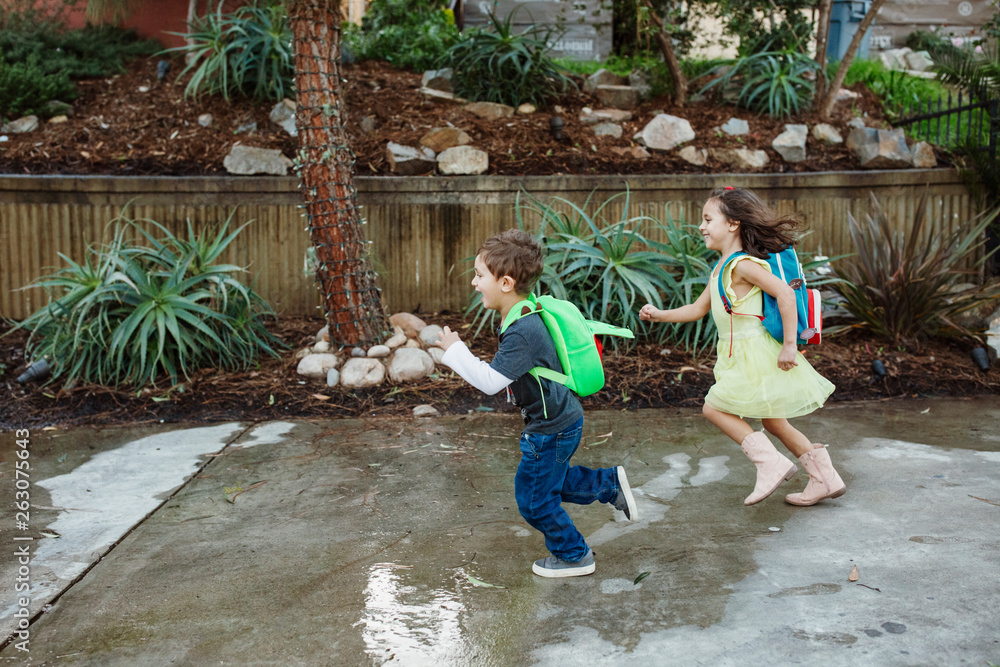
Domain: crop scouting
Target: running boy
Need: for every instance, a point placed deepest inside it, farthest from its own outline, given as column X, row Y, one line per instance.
column 506, row 269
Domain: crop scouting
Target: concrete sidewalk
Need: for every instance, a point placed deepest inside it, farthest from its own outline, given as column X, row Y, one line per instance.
column 397, row 541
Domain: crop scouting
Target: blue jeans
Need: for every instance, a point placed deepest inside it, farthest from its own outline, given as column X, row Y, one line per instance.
column 545, row 480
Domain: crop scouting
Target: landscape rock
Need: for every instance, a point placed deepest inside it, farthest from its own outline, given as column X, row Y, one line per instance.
column 436, row 353
column 923, row 155
column 57, row 120
column 827, row 134
column 438, row 79
column 791, row 144
column 526, row 109
column 413, row 342
column 618, row 97
column 894, row 58
column 425, row 411
column 408, row 322
column 442, row 96
column 409, row 161
column 590, row 117
column 608, row 130
column 21, row 125
column 695, row 156
column 205, row 120
column 409, row 364
column 919, row 61
column 332, row 377
column 880, row 149
column 639, row 80
column 442, row 138
column 249, row 160
column 396, row 340
column 462, row 160
column 665, row 132
column 858, row 123
column 368, row 124
column 362, row 372
column 601, row 77
column 379, row 351
column 742, row 158
column 323, row 334
column 358, row 352
column 321, row 346
column 316, row 365
column 736, row 127
column 429, row 334
column 489, row 110
column 283, row 115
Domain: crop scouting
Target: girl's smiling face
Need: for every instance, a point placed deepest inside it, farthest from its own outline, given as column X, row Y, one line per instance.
column 718, row 231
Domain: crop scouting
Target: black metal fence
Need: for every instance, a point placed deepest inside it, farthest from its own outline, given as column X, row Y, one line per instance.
column 956, row 123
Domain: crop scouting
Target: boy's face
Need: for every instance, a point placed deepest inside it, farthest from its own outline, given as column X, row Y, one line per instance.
column 489, row 286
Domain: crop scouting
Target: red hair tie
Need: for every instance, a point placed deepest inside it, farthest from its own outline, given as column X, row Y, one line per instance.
column 728, row 187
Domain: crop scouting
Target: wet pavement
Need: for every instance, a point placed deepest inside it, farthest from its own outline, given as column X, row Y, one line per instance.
column 397, row 541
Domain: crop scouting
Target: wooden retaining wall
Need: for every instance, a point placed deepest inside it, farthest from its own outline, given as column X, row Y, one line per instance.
column 423, row 229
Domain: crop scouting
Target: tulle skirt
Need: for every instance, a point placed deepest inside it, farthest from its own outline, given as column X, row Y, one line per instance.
column 748, row 383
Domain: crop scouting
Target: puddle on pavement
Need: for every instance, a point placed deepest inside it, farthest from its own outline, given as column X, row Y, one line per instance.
column 408, row 624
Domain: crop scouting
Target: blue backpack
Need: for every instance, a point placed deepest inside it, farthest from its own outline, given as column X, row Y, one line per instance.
column 785, row 265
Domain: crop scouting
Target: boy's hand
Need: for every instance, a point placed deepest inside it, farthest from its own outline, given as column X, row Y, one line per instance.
column 447, row 338
column 649, row 312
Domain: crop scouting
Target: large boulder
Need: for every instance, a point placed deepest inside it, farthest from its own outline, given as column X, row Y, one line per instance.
column 316, row 366
column 880, row 149
column 361, row 372
column 409, row 364
column 463, row 160
column 665, row 132
column 248, row 160
column 408, row 322
column 791, row 144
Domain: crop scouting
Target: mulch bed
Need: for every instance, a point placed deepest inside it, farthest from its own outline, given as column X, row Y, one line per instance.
column 646, row 377
column 132, row 124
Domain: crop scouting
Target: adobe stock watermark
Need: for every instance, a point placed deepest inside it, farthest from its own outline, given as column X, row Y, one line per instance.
column 22, row 543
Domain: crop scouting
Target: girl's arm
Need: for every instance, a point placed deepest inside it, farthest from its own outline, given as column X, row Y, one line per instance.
column 755, row 274
column 689, row 313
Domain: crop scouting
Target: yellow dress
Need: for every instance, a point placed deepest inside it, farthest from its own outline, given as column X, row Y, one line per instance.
column 748, row 382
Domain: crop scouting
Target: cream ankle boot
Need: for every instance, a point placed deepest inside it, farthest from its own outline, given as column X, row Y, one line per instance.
column 772, row 467
column 824, row 482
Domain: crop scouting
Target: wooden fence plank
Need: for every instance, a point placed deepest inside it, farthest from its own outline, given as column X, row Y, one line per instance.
column 423, row 230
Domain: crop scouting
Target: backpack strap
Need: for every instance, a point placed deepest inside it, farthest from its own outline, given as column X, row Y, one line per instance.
column 722, row 290
column 519, row 310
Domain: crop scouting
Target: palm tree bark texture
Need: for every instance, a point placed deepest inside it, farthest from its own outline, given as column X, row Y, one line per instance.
column 325, row 162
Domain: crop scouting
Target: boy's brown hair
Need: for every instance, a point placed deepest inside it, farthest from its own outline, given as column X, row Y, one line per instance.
column 514, row 253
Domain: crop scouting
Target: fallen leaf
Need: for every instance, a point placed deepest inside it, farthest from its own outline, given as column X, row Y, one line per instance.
column 481, row 583
column 853, row 576
column 321, row 397
column 924, row 412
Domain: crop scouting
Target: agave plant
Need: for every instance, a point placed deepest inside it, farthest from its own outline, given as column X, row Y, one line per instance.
column 248, row 51
column 493, row 64
column 608, row 268
column 130, row 314
column 905, row 287
column 778, row 83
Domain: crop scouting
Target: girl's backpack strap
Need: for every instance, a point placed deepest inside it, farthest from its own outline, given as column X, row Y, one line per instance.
column 722, row 269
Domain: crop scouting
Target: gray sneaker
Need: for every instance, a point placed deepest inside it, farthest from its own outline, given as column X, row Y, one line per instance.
column 624, row 501
column 554, row 567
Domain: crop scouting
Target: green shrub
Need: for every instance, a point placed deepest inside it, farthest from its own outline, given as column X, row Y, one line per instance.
column 130, row 314
column 778, row 83
column 247, row 52
column 25, row 87
column 410, row 35
column 492, row 64
column 88, row 52
column 903, row 286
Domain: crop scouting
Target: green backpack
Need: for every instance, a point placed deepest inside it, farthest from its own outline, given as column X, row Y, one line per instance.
column 575, row 340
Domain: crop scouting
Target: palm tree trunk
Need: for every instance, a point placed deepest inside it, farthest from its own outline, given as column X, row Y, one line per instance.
column 325, row 162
